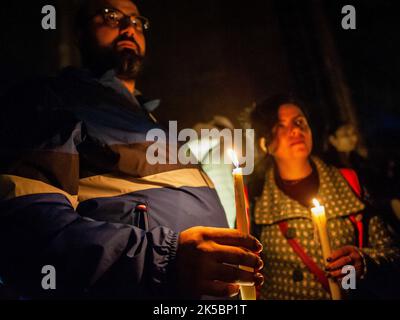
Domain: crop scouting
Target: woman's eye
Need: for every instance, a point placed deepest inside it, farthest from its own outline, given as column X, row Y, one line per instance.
column 301, row 123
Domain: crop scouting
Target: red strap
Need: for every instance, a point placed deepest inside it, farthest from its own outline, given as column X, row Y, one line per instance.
column 311, row 265
column 352, row 179
column 360, row 227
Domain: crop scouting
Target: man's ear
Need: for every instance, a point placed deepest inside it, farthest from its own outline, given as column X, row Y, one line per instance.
column 262, row 143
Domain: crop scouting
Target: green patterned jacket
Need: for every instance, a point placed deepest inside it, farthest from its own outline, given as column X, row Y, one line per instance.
column 286, row 277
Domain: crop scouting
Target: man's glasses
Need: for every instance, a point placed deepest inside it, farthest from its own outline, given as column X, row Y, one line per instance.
column 115, row 19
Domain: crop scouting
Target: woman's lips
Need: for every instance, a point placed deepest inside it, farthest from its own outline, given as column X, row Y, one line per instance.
column 297, row 142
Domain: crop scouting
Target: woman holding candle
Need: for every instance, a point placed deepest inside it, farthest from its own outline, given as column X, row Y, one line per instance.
column 295, row 267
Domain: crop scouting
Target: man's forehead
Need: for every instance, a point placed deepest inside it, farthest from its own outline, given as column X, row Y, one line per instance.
column 126, row 6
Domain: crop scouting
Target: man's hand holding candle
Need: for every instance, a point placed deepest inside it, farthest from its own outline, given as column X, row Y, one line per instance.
column 207, row 259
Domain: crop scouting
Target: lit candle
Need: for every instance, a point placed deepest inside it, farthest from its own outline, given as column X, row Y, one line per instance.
column 319, row 217
column 247, row 292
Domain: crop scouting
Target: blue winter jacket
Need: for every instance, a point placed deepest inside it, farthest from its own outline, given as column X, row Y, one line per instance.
column 73, row 173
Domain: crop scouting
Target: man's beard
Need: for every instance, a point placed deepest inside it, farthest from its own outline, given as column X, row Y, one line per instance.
column 126, row 62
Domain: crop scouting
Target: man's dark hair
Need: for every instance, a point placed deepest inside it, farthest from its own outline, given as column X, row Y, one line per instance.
column 265, row 115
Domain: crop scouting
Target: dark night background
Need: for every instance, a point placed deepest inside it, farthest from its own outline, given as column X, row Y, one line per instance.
column 218, row 57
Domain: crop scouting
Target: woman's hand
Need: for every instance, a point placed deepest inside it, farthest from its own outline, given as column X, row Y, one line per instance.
column 346, row 256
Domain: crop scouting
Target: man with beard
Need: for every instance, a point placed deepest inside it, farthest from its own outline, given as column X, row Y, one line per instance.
column 77, row 194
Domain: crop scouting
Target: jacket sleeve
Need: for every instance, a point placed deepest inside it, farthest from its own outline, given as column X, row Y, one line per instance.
column 383, row 248
column 382, row 253
column 44, row 229
column 382, row 259
column 39, row 224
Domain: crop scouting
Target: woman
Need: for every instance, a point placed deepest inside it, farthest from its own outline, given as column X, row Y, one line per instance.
column 342, row 149
column 282, row 212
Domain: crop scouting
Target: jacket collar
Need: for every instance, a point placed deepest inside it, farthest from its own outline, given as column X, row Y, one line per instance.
column 109, row 79
column 334, row 193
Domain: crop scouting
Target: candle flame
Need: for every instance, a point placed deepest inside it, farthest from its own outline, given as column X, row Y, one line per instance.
column 234, row 157
column 316, row 203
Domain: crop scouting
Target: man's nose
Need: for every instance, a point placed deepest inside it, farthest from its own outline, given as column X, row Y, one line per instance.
column 128, row 28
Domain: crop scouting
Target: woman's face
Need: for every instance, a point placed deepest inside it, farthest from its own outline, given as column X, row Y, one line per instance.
column 292, row 135
column 345, row 138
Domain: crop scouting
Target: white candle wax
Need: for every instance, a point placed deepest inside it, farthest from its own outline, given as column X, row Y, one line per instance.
column 247, row 292
column 319, row 217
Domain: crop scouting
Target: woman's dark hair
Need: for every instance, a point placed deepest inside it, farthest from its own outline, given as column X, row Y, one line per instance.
column 265, row 115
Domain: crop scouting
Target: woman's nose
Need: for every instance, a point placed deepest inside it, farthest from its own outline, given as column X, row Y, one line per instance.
column 295, row 130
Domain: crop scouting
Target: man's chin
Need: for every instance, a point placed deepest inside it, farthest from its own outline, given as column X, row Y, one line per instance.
column 129, row 66
column 128, row 74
